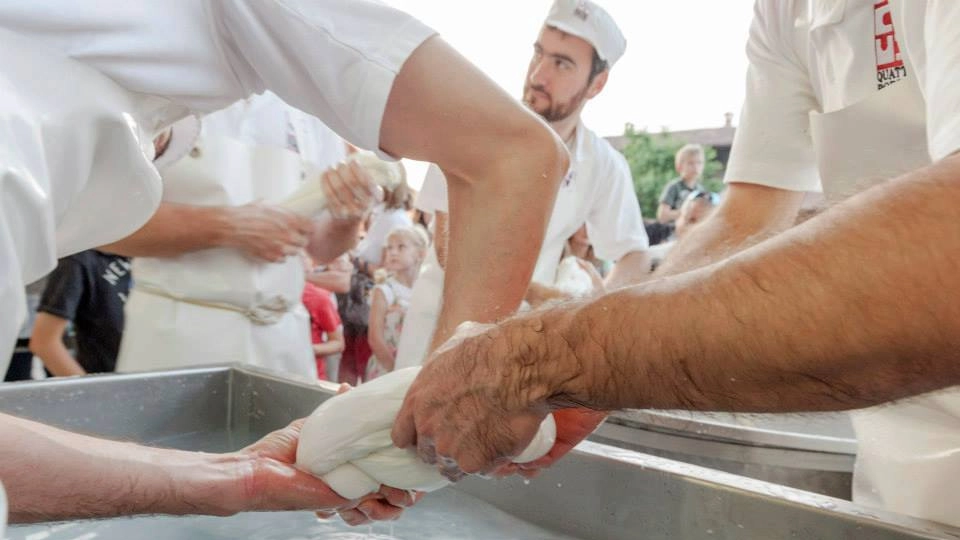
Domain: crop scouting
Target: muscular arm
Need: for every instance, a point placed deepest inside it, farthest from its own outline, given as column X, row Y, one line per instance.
column 46, row 342
column 748, row 214
column 853, row 308
column 503, row 168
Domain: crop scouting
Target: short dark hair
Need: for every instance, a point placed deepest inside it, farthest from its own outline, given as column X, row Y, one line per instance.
column 597, row 66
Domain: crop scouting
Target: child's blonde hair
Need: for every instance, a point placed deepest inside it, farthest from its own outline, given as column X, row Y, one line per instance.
column 417, row 236
column 686, row 151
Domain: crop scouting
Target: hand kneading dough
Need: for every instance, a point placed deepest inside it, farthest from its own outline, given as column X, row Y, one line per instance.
column 346, row 441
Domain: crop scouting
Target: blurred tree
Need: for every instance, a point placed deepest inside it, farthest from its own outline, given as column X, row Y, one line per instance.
column 651, row 159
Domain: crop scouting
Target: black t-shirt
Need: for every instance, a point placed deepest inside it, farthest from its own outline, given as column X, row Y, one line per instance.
column 676, row 192
column 89, row 289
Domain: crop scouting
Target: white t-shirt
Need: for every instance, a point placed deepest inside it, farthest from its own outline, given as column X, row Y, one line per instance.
column 598, row 192
column 819, row 57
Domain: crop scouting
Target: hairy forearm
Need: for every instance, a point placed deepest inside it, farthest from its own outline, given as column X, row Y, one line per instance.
column 176, row 229
column 51, row 474
column 332, row 238
column 851, row 309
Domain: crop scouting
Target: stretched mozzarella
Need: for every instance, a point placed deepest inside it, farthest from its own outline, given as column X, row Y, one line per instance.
column 346, row 441
column 309, row 199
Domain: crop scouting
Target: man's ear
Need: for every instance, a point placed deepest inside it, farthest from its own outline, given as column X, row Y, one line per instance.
column 598, row 83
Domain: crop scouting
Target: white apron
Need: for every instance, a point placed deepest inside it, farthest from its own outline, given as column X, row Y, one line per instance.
column 219, row 305
column 909, row 453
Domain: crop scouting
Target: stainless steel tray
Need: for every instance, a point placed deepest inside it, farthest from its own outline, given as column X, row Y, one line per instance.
column 598, row 492
column 812, row 452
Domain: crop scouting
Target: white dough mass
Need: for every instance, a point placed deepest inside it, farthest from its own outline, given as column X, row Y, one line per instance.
column 309, row 199
column 346, row 441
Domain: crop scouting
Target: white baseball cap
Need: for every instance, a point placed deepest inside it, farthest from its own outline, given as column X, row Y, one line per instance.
column 590, row 22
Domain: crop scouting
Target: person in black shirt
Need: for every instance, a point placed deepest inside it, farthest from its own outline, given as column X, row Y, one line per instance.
column 689, row 162
column 89, row 290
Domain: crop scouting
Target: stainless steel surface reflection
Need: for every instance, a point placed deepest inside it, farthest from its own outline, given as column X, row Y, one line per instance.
column 812, row 452
column 597, row 492
column 447, row 515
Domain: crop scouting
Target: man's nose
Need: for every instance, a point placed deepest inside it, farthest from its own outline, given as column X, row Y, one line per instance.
column 538, row 74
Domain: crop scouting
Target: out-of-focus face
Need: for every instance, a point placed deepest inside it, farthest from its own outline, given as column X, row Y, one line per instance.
column 557, row 77
column 690, row 167
column 400, row 254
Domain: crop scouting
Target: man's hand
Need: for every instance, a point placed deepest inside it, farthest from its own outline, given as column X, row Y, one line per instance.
column 350, row 191
column 479, row 401
column 268, row 232
column 276, row 484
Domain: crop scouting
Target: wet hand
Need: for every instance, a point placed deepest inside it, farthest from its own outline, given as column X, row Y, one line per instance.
column 472, row 408
column 267, row 232
column 274, row 483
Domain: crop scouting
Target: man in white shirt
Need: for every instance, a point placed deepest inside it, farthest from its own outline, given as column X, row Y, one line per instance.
column 852, row 308
column 572, row 57
column 87, row 87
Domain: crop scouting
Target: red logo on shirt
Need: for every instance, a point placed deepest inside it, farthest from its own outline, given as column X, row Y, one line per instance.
column 890, row 68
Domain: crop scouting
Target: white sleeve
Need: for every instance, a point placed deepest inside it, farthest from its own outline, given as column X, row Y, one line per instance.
column 335, row 59
column 940, row 77
column 772, row 146
column 614, row 224
column 433, row 194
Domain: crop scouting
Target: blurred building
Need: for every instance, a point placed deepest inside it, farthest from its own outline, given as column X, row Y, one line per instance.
column 720, row 138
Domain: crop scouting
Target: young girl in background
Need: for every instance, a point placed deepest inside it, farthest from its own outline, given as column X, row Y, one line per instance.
column 406, row 247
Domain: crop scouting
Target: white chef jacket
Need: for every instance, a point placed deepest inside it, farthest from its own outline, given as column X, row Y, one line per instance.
column 821, row 74
column 161, row 61
column 820, row 56
column 334, row 59
column 597, row 191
